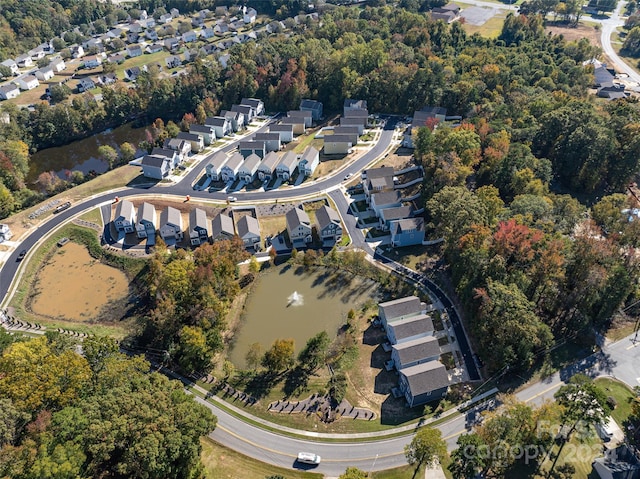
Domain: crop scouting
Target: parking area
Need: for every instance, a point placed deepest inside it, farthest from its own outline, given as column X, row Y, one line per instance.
column 478, row 15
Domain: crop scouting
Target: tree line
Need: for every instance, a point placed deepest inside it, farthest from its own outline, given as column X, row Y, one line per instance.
column 96, row 415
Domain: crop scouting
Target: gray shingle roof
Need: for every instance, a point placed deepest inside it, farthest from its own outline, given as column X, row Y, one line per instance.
column 197, row 219
column 124, row 209
column 411, row 326
column 426, row 377
column 222, row 225
column 397, row 308
column 325, row 216
column 248, row 224
column 297, row 216
column 417, row 349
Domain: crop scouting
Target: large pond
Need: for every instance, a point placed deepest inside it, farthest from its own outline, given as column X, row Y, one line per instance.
column 288, row 303
column 81, row 155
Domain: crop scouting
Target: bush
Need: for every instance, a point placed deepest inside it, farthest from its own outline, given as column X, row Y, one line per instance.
column 611, row 402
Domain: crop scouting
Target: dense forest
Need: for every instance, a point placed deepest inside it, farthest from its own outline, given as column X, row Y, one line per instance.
column 99, row 414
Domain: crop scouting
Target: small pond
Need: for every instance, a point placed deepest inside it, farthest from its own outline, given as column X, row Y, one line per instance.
column 288, row 302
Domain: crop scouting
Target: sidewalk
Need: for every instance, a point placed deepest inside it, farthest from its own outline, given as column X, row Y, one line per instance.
column 435, row 472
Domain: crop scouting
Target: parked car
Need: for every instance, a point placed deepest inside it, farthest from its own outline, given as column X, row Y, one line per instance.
column 308, row 458
column 62, row 207
column 22, row 254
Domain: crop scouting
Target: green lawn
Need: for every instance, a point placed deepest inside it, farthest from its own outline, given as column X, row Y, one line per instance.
column 490, row 29
column 623, row 396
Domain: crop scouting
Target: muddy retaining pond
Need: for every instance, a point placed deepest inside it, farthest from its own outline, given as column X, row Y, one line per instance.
column 288, row 303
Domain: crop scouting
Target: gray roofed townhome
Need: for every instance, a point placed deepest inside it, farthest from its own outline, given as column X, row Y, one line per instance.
column 354, row 121
column 407, row 232
column 267, row 168
column 621, row 462
column 155, row 166
column 400, row 308
column 271, row 140
column 171, row 225
column 350, row 104
column 249, row 168
column 214, row 167
column 351, row 131
column 285, row 132
column 235, row 117
column 396, row 213
column 198, row 226
column 221, row 125
column 406, row 329
column 181, row 146
column 146, row 225
column 424, row 382
column 250, row 147
column 222, row 227
column 196, row 141
column 297, row 123
column 309, row 161
column 230, row 169
column 246, row 111
column 329, row 224
column 287, row 165
column 125, row 217
column 307, row 116
column 255, row 103
column 169, row 153
column 298, row 226
column 315, row 107
column 207, row 132
column 385, row 199
column 416, row 351
column 337, row 144
column 249, row 231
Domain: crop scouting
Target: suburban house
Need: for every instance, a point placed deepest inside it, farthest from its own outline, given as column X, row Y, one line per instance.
column 309, row 161
column 400, row 308
column 407, row 232
column 361, row 115
column 329, row 225
column 196, row 141
column 387, row 215
column 171, row 44
column 5, row 233
column 288, row 164
column 618, row 463
column 154, row 48
column 285, row 132
column 222, row 227
column 350, row 105
column 271, row 141
column 28, row 82
column 249, row 168
column 116, row 58
column 173, row 61
column 421, row 117
column 337, row 144
column 24, row 61
column 133, row 37
column 155, row 166
column 45, row 74
column 207, row 33
column 134, row 50
column 175, row 13
column 299, row 226
column 249, row 231
column 447, row 16
column 220, row 124
column 297, row 123
column 11, row 64
column 107, row 79
column 189, row 36
column 385, row 199
column 85, row 84
column 246, row 110
column 171, row 225
column 132, row 73
column 134, row 27
column 221, row 29
column 181, row 145
column 251, row 147
column 146, row 225
column 409, row 328
column 236, row 118
column 152, row 35
column 165, row 18
column 267, row 168
column 125, row 219
column 350, row 131
column 206, row 132
column 224, row 59
column 76, row 51
column 424, row 383
column 377, row 180
column 58, row 65
column 305, row 115
column 92, row 61
column 231, row 167
column 115, row 32
column 416, row 351
column 315, row 107
column 353, row 121
column 249, row 16
column 172, row 155
column 214, row 167
column 8, row 91
column 256, row 104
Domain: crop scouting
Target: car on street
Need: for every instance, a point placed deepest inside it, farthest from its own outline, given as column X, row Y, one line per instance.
column 347, row 176
column 308, row 458
column 232, row 199
column 22, row 254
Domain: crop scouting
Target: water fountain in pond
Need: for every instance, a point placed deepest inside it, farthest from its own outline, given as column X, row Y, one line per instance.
column 295, row 299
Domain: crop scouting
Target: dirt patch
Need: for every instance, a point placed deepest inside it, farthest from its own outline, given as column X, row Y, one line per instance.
column 71, row 285
column 575, row 33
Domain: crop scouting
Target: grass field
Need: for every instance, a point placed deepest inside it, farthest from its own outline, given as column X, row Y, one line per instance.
column 490, row 29
column 623, row 396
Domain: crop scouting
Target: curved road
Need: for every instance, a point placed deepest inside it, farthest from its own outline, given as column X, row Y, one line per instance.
column 608, row 27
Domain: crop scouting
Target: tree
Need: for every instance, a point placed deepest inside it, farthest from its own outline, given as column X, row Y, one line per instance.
column 468, row 459
column 7, row 202
column 194, row 352
column 426, row 448
column 353, row 473
column 127, row 152
column 254, row 356
column 254, row 265
column 314, row 352
column 583, row 401
column 108, row 154
column 98, row 350
column 338, row 387
column 59, row 93
column 279, row 356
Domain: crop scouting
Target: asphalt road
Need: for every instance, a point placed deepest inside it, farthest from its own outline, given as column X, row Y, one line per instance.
column 608, row 27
